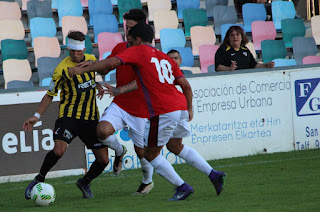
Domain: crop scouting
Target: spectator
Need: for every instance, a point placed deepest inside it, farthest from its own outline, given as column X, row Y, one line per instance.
column 175, row 55
column 234, row 55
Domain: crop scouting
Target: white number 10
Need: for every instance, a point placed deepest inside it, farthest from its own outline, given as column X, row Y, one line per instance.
column 166, row 73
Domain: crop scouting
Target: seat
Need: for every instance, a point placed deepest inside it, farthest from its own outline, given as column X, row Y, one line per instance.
column 39, row 9
column 15, row 84
column 107, row 41
column 311, row 60
column 225, row 28
column 315, row 28
column 284, row 62
column 273, row 49
column 292, row 28
column 13, row 49
column 223, row 15
column 45, row 81
column 73, row 23
column 46, row 67
column 186, row 55
column 282, row 10
column 194, row 17
column 46, row 47
column 201, row 35
column 210, row 4
column 69, row 8
column 111, row 76
column 114, row 2
column 104, row 23
column 251, row 48
column 252, row 12
column 9, row 11
column 54, row 4
column 24, row 3
column 126, row 5
column 194, row 70
column 262, row 30
column 11, row 29
column 14, row 69
column 302, row 47
column 156, row 5
column 206, row 56
column 42, row 27
column 186, row 4
column 211, row 68
column 171, row 38
column 88, row 45
column 164, row 19
column 99, row 7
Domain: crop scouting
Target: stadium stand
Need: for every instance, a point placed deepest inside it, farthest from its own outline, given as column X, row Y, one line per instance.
column 311, row 60
column 73, row 23
column 42, row 27
column 194, row 17
column 39, row 9
column 282, row 10
column 69, row 8
column 171, row 38
column 284, row 62
column 13, row 49
column 186, row 4
column 155, row 5
column 315, row 28
column 99, row 7
column 46, row 67
column 46, row 47
column 9, row 11
column 19, row 84
column 11, row 29
column 223, row 15
column 210, row 4
column 125, row 5
column 14, row 69
column 206, row 56
column 107, row 41
column 186, row 55
column 104, row 23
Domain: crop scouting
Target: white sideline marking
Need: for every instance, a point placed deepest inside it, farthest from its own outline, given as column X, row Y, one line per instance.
column 113, row 177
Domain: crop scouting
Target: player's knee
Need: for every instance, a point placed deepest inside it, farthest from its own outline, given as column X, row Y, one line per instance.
column 175, row 146
column 103, row 132
column 104, row 160
column 59, row 151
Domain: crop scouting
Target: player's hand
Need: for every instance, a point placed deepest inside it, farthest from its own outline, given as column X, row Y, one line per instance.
column 100, row 91
column 270, row 64
column 74, row 71
column 28, row 124
column 85, row 63
column 112, row 91
column 233, row 66
column 190, row 114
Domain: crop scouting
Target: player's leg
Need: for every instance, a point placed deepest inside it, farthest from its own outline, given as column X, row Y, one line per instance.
column 110, row 122
column 158, row 130
column 62, row 136
column 193, row 158
column 136, row 133
column 88, row 136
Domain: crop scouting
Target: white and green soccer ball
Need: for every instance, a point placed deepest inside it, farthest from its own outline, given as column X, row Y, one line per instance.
column 43, row 194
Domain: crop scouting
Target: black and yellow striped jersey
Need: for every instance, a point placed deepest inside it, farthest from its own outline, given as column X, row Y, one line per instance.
column 78, row 94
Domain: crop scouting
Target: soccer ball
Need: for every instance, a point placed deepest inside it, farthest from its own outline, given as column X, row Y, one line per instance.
column 43, row 194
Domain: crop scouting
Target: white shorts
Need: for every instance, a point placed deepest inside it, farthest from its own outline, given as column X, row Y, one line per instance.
column 160, row 129
column 119, row 118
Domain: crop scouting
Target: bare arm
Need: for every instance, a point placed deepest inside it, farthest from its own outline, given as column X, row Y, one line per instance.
column 227, row 68
column 265, row 65
column 103, row 67
column 113, row 91
column 187, row 91
column 43, row 106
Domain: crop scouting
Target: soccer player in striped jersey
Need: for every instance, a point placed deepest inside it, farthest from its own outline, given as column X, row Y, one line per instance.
column 78, row 115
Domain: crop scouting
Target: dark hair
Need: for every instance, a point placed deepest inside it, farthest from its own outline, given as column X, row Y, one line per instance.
column 135, row 15
column 238, row 29
column 173, row 51
column 76, row 35
column 143, row 31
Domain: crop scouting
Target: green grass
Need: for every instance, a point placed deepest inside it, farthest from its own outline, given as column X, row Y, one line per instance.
column 267, row 182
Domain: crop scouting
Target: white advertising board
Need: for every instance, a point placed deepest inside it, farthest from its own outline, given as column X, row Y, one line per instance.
column 306, row 108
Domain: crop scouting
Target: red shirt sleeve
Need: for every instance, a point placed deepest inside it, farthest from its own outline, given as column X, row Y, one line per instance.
column 130, row 55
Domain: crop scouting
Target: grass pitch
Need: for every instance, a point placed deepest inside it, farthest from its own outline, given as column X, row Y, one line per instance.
column 267, row 182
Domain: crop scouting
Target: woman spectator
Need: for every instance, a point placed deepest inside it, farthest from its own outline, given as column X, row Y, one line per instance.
column 233, row 53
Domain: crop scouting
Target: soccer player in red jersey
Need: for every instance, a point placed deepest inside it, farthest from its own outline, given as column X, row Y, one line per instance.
column 167, row 106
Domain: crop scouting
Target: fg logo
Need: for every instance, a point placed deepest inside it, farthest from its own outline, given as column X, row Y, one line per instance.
column 307, row 94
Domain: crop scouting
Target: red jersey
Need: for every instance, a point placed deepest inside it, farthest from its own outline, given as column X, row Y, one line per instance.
column 157, row 73
column 132, row 102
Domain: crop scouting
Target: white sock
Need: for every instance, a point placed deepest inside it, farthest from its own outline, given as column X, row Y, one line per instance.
column 113, row 143
column 165, row 169
column 194, row 159
column 147, row 171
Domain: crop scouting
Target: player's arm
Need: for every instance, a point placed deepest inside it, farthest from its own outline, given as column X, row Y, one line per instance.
column 103, row 67
column 187, row 91
column 43, row 106
column 113, row 91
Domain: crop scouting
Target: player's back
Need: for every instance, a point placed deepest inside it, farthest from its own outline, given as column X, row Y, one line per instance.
column 157, row 73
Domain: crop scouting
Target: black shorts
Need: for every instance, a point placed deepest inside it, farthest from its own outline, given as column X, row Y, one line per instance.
column 66, row 129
